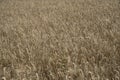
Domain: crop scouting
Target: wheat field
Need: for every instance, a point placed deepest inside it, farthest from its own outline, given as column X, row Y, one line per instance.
column 59, row 39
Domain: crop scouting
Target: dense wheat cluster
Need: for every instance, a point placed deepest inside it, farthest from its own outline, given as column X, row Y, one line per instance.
column 59, row 39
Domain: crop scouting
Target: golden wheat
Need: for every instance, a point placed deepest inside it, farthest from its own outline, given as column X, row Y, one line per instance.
column 59, row 40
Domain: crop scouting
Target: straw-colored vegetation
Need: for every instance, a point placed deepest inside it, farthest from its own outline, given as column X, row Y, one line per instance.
column 59, row 39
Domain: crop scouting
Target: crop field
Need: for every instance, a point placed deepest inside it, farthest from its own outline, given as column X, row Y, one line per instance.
column 59, row 39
